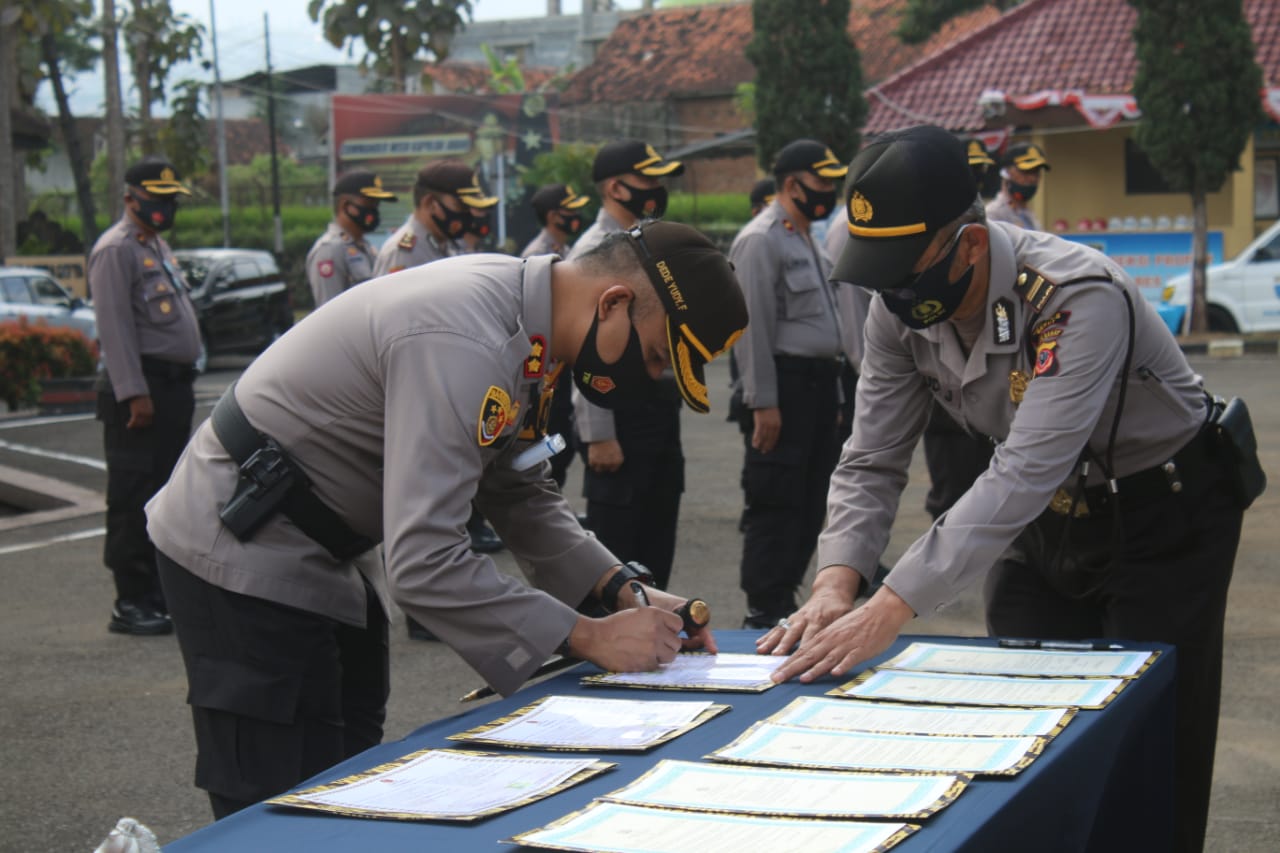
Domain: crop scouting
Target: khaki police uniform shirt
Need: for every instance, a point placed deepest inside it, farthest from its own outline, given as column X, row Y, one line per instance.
column 141, row 304
column 789, row 300
column 593, row 423
column 1001, row 209
column 336, row 262
column 543, row 244
column 412, row 246
column 1072, row 353
column 401, row 401
column 853, row 302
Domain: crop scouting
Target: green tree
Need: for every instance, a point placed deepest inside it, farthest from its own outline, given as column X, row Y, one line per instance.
column 922, row 18
column 157, row 39
column 183, row 137
column 394, row 32
column 1197, row 86
column 808, row 76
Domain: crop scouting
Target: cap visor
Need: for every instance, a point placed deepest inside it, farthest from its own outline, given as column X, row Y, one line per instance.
column 374, row 192
column 687, row 364
column 481, row 202
column 1026, row 164
column 832, row 171
column 165, row 188
column 879, row 262
column 577, row 202
column 671, row 167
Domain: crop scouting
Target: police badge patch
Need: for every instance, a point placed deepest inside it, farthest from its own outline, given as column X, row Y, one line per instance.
column 495, row 414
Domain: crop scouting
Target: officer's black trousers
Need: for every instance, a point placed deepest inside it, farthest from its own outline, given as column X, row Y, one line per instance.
column 633, row 511
column 1166, row 582
column 786, row 489
column 277, row 694
column 139, row 462
column 954, row 459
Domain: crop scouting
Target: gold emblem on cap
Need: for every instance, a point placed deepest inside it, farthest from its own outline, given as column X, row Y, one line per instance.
column 649, row 150
column 859, row 208
column 166, row 174
column 377, row 182
column 1018, row 382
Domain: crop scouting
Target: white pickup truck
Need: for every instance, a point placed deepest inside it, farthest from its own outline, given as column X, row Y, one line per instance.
column 1243, row 294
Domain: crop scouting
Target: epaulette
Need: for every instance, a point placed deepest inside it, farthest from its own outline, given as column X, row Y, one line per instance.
column 1032, row 286
column 408, row 241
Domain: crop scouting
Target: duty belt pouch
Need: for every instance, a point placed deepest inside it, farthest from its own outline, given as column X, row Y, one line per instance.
column 1237, row 446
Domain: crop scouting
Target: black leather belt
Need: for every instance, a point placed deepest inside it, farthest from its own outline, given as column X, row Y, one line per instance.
column 1187, row 472
column 158, row 368
column 810, row 366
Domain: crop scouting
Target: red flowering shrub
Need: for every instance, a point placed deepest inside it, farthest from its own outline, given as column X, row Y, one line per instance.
column 30, row 353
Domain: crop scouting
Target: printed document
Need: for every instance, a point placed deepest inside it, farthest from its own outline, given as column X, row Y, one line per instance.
column 987, row 660
column 951, row 689
column 854, row 715
column 698, row 671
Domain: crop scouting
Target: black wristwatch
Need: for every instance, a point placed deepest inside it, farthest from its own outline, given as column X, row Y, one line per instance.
column 631, row 571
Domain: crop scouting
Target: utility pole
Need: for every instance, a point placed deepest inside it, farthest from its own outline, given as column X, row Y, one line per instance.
column 271, row 121
column 115, row 111
column 221, row 133
column 9, row 61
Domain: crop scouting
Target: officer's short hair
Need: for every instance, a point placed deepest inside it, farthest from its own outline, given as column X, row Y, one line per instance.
column 614, row 256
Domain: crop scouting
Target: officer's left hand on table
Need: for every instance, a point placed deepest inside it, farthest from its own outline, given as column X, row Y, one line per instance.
column 702, row 639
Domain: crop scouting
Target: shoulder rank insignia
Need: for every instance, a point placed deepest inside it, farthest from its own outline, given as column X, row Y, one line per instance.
column 1034, row 288
column 408, row 241
column 1018, row 382
column 535, row 364
column 495, row 414
column 1001, row 321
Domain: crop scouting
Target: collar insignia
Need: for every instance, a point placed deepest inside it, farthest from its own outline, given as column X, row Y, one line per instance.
column 535, row 364
column 1001, row 326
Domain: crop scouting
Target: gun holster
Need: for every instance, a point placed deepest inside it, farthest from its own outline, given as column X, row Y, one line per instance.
column 265, row 479
column 1237, row 448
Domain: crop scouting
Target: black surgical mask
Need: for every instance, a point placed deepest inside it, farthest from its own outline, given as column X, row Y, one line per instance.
column 609, row 385
column 569, row 224
column 645, row 204
column 816, row 204
column 478, row 225
column 366, row 218
column 1023, row 192
column 157, row 213
column 930, row 297
column 454, row 223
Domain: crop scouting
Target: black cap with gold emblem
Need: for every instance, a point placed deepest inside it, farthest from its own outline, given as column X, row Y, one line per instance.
column 809, row 155
column 362, row 183
column 632, row 157
column 979, row 156
column 706, row 311
column 763, row 192
column 904, row 187
column 455, row 178
column 156, row 175
column 556, row 197
column 1026, row 156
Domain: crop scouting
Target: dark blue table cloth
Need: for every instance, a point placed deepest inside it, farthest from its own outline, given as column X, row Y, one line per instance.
column 1105, row 783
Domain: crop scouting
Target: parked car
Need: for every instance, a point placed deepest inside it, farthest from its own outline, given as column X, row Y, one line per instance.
column 1243, row 294
column 240, row 297
column 34, row 294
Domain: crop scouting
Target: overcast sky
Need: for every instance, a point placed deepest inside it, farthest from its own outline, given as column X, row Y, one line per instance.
column 295, row 41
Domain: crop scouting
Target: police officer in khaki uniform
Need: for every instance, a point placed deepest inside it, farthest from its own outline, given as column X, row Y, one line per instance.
column 790, row 364
column 400, row 403
column 1024, row 164
column 150, row 342
column 342, row 258
column 446, row 197
column 761, row 195
column 1105, row 512
column 635, row 462
column 559, row 211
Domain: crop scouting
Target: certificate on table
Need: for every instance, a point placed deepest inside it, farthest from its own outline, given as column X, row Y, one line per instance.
column 855, row 715
column 699, row 671
column 829, row 749
column 586, row 723
column 949, row 689
column 790, row 793
column 617, row 828
column 986, row 660
column 446, row 784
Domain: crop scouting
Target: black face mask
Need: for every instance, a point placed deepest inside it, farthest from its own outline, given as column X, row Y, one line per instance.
column 816, row 204
column 645, row 204
column 454, row 223
column 1023, row 192
column 478, row 225
column 930, row 297
column 569, row 224
column 157, row 213
column 366, row 218
column 609, row 385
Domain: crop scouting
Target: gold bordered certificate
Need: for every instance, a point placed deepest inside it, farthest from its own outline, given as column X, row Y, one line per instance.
column 987, row 660
column 583, row 722
column 790, row 793
column 949, row 689
column 828, row 749
column 699, row 671
column 853, row 715
column 615, row 828
column 446, row 784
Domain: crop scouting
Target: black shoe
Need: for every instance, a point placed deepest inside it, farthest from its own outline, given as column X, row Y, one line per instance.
column 138, row 618
column 759, row 620
column 418, row 631
column 484, row 540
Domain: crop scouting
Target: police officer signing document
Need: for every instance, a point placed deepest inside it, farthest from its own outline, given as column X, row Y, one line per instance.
column 1111, row 507
column 378, row 419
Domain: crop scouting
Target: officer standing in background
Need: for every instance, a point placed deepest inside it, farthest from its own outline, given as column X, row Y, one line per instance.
column 1109, row 508
column 342, row 258
column 635, row 462
column 790, row 364
column 557, row 208
column 761, row 195
column 396, row 406
column 1024, row 165
column 150, row 342
column 446, row 194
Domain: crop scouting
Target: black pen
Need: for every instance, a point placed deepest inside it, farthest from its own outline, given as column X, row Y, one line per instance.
column 1060, row 645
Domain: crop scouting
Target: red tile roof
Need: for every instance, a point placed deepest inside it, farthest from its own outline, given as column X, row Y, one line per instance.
column 701, row 50
column 1040, row 44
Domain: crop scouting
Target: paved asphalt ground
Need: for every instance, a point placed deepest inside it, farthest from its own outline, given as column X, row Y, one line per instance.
column 93, row 725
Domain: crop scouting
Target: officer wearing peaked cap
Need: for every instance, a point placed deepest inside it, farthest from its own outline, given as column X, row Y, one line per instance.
column 1109, row 508
column 1024, row 164
column 150, row 341
column 392, row 415
column 341, row 257
column 448, row 204
column 559, row 211
column 790, row 364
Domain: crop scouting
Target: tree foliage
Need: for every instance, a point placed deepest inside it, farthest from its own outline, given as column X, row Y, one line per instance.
column 921, row 19
column 157, row 39
column 808, row 76
column 393, row 32
column 183, row 138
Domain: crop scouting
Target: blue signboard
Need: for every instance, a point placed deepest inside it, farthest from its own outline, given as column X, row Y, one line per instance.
column 1150, row 257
